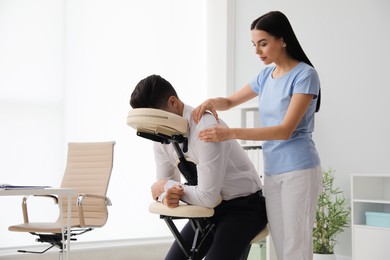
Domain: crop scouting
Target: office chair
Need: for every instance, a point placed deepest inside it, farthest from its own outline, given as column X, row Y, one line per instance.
column 88, row 171
column 167, row 128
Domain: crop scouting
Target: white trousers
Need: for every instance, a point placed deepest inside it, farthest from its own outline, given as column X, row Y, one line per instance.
column 291, row 201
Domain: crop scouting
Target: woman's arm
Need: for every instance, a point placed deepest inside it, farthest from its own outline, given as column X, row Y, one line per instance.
column 297, row 108
column 222, row 104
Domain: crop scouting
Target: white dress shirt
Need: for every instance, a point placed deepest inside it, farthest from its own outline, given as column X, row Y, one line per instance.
column 224, row 169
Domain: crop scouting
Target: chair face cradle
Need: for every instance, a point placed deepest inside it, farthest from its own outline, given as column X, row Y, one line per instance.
column 88, row 171
column 148, row 123
column 166, row 128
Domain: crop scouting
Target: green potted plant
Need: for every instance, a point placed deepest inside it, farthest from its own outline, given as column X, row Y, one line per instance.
column 332, row 217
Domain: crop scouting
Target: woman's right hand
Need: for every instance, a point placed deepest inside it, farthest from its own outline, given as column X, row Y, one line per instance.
column 211, row 105
column 207, row 105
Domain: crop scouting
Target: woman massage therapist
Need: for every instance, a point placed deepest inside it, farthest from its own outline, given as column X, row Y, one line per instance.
column 288, row 97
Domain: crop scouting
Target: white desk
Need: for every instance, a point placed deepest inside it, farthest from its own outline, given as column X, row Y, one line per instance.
column 50, row 191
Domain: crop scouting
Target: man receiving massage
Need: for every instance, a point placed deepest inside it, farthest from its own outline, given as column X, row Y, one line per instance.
column 224, row 170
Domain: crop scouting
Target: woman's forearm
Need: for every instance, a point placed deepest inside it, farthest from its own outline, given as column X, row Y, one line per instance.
column 261, row 134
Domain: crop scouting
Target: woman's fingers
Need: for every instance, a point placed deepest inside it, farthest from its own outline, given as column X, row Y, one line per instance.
column 199, row 111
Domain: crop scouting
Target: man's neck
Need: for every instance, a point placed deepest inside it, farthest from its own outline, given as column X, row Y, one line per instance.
column 181, row 108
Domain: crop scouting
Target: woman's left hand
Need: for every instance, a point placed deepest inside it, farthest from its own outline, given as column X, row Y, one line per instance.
column 216, row 134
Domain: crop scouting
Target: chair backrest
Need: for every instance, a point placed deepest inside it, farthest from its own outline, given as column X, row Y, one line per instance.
column 88, row 170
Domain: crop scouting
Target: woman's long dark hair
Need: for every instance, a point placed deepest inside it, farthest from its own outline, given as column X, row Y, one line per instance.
column 277, row 24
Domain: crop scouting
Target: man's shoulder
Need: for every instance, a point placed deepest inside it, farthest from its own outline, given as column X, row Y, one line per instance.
column 207, row 121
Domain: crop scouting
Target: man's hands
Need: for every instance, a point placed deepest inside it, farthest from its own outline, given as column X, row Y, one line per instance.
column 172, row 195
column 157, row 188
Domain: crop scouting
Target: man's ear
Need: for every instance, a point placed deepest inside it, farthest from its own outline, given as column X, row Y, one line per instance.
column 172, row 101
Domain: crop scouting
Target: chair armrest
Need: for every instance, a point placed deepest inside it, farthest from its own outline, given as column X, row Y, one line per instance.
column 25, row 208
column 55, row 198
column 185, row 211
column 80, row 209
column 82, row 196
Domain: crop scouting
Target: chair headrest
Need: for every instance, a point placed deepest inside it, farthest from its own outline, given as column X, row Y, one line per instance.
column 157, row 121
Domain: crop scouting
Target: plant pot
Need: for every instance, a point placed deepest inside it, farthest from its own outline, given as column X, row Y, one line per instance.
column 324, row 257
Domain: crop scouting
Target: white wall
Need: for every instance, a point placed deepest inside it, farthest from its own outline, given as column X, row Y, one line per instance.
column 67, row 70
column 110, row 46
column 31, row 102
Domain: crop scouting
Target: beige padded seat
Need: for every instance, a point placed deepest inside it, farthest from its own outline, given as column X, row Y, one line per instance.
column 184, row 211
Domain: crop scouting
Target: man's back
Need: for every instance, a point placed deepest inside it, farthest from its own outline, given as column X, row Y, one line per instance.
column 223, row 168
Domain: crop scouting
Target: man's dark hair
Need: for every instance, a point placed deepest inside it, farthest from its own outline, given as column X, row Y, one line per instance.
column 152, row 92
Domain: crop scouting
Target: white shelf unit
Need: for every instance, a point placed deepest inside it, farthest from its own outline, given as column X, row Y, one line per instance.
column 369, row 193
column 250, row 119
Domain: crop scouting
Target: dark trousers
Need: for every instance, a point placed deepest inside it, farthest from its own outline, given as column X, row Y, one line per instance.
column 237, row 222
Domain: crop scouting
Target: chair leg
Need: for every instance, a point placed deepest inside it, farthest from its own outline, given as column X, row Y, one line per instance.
column 35, row 252
column 184, row 247
column 205, row 232
column 201, row 233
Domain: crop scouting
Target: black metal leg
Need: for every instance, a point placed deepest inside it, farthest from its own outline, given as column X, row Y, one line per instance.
column 201, row 233
column 183, row 245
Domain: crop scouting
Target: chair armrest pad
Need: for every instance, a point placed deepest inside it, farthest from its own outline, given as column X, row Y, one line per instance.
column 55, row 198
column 81, row 197
column 25, row 208
column 187, row 211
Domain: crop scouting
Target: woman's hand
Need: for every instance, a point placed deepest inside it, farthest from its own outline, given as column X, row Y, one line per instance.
column 208, row 105
column 222, row 104
column 216, row 134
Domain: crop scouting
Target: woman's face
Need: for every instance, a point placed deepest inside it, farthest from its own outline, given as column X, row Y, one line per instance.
column 269, row 48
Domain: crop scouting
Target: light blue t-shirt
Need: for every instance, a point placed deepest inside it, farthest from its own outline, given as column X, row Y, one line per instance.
column 274, row 97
